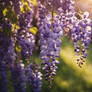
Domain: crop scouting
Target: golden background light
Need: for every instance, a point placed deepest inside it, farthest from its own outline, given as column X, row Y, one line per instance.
column 85, row 5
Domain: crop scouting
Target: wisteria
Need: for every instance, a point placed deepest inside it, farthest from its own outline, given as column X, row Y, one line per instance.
column 66, row 12
column 81, row 34
column 27, row 41
column 25, row 37
column 29, row 26
column 34, row 77
column 50, row 34
column 4, row 46
column 18, row 77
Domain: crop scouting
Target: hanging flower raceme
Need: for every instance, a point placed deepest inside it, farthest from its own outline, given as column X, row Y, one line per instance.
column 34, row 77
column 5, row 42
column 24, row 36
column 81, row 34
column 66, row 12
column 27, row 41
column 50, row 35
column 18, row 77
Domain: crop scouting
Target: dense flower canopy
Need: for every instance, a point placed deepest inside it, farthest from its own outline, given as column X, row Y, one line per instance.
column 28, row 26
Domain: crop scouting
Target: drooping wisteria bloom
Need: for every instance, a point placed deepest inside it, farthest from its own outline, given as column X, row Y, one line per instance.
column 7, row 61
column 81, row 35
column 18, row 77
column 66, row 12
column 24, row 36
column 34, row 77
column 27, row 41
column 25, row 20
column 50, row 35
column 50, row 70
column 4, row 45
column 3, row 77
column 67, row 5
column 77, row 26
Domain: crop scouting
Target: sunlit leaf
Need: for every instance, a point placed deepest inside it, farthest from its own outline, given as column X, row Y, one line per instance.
column 33, row 30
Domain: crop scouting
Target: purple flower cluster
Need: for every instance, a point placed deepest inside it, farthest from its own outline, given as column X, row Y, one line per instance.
column 50, row 70
column 18, row 77
column 24, row 36
column 25, row 20
column 67, row 5
column 50, row 34
column 27, row 41
column 34, row 77
column 4, row 46
column 18, row 37
column 78, row 29
column 3, row 77
column 66, row 12
column 81, row 34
